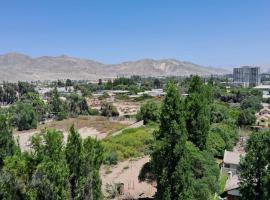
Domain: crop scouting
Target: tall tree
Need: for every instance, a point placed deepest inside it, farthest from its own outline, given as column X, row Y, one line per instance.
column 198, row 112
column 254, row 168
column 90, row 182
column 73, row 156
column 170, row 158
column 6, row 138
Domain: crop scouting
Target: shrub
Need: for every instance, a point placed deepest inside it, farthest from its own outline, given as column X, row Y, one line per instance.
column 108, row 110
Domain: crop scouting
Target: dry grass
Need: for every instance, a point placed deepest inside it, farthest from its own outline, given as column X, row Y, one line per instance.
column 101, row 124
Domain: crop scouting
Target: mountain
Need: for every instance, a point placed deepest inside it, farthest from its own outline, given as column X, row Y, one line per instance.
column 15, row 66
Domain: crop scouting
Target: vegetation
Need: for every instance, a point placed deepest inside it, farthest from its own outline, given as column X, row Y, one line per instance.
column 198, row 115
column 25, row 117
column 149, row 112
column 108, row 110
column 49, row 171
column 131, row 143
column 254, row 167
column 173, row 174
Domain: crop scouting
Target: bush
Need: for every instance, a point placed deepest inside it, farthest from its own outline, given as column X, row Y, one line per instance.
column 108, row 110
column 150, row 111
column 221, row 136
column 25, row 117
column 246, row 118
column 131, row 143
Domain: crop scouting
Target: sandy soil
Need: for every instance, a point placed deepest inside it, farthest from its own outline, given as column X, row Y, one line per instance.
column 96, row 127
column 127, row 108
column 127, row 172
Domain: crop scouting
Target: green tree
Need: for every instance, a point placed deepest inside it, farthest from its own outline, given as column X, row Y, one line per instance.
column 73, row 156
column 246, row 118
column 25, row 117
column 6, row 138
column 173, row 173
column 198, row 112
column 58, row 107
column 254, row 168
column 108, row 110
column 150, row 111
column 37, row 103
column 90, row 181
column 252, row 102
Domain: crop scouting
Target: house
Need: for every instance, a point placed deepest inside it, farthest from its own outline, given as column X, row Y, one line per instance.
column 231, row 190
column 264, row 111
column 263, row 118
column 230, row 162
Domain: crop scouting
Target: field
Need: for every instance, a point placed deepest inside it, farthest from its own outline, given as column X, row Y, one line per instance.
column 131, row 143
column 94, row 126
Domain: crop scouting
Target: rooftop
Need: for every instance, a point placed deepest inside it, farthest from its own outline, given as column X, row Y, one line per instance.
column 231, row 157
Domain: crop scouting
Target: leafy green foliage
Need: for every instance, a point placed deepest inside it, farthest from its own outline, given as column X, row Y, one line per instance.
column 48, row 171
column 253, row 103
column 254, row 167
column 73, row 153
column 130, row 143
column 246, row 118
column 221, row 136
column 173, row 173
column 24, row 115
column 205, row 172
column 57, row 106
column 149, row 112
column 6, row 138
column 198, row 112
column 108, row 110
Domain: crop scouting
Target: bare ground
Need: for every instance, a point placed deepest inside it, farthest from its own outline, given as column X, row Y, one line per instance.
column 127, row 172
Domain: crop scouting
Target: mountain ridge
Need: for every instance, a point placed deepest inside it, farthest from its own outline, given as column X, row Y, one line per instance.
column 16, row 66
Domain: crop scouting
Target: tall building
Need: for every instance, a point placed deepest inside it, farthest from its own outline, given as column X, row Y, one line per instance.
column 247, row 76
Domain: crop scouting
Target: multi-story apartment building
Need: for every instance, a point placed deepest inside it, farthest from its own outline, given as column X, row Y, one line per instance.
column 247, row 76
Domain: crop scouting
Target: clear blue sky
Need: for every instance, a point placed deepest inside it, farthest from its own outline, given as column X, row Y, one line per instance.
column 208, row 32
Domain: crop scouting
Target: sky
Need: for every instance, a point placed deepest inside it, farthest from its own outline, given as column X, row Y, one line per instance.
column 207, row 32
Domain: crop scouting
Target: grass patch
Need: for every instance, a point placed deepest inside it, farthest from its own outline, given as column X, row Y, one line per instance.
column 131, row 143
column 222, row 182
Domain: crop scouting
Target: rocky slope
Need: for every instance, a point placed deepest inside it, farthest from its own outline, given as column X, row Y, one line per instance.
column 15, row 66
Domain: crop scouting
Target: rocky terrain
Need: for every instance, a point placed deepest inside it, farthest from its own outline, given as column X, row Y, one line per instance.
column 15, row 66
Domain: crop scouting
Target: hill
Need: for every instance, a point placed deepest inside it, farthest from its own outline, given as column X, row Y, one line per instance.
column 15, row 66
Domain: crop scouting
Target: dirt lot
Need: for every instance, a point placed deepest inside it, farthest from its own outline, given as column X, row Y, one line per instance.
column 98, row 127
column 127, row 107
column 127, row 172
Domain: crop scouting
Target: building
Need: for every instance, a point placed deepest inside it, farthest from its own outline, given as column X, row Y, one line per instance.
column 263, row 118
column 247, row 76
column 230, row 165
column 231, row 190
column 231, row 162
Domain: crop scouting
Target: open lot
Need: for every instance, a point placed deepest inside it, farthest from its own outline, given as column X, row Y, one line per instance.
column 93, row 126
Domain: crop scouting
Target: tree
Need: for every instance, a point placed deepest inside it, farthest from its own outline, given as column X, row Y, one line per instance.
column 254, row 167
column 90, row 182
column 37, row 103
column 198, row 112
column 108, row 110
column 149, row 111
column 25, row 117
column 246, row 118
column 68, row 83
column 41, row 173
column 173, row 173
column 58, row 107
column 6, row 138
column 252, row 102
column 77, row 105
column 25, row 87
column 73, row 157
